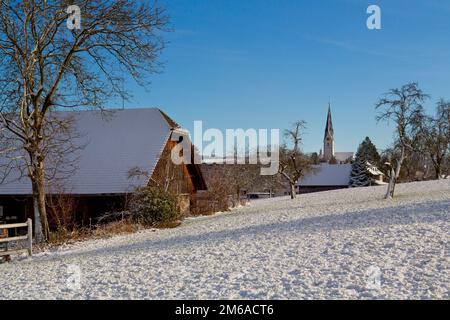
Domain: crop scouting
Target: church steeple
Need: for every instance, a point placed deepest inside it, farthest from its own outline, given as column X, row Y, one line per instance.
column 329, row 127
column 328, row 140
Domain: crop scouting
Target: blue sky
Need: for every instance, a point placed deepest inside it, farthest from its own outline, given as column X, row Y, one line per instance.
column 265, row 63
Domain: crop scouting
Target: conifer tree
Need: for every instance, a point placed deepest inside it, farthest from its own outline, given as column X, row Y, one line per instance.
column 359, row 176
column 367, row 153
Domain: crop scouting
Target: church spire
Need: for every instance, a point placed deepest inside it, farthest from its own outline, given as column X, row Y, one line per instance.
column 328, row 140
column 329, row 132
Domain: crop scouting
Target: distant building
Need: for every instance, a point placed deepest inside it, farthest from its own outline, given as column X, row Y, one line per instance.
column 325, row 177
column 328, row 140
column 335, row 168
column 377, row 177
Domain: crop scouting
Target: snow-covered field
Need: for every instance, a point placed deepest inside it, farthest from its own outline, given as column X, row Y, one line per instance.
column 340, row 244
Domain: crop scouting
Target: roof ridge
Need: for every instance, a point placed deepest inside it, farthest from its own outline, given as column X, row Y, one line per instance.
column 169, row 120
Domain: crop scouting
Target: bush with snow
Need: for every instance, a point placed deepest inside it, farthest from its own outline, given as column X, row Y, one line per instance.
column 151, row 206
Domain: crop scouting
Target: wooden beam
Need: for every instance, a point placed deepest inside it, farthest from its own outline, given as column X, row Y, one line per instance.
column 14, row 225
column 8, row 253
column 30, row 237
column 3, row 240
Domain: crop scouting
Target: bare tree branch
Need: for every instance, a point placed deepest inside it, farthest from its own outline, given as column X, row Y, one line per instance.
column 45, row 67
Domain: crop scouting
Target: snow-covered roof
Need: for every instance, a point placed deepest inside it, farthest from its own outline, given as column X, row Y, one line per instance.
column 113, row 145
column 373, row 170
column 327, row 175
column 343, row 156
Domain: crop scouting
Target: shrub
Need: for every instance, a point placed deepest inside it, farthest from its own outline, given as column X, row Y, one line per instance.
column 153, row 206
column 124, row 226
column 61, row 209
column 61, row 236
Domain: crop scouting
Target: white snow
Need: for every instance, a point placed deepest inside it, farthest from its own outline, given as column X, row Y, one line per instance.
column 348, row 244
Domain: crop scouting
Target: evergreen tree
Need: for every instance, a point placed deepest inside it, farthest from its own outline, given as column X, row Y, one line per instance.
column 359, row 177
column 367, row 152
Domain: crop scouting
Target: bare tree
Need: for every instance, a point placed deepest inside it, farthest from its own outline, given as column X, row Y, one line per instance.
column 404, row 107
column 60, row 144
column 46, row 66
column 435, row 137
column 293, row 163
column 414, row 166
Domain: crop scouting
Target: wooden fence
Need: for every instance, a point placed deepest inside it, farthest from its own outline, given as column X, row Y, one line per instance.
column 5, row 239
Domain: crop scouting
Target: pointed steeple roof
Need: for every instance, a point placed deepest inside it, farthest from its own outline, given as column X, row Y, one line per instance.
column 329, row 127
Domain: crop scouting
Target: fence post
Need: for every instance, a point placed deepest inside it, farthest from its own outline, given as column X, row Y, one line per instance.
column 30, row 237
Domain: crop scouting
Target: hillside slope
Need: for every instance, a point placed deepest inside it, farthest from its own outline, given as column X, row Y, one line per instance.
column 339, row 244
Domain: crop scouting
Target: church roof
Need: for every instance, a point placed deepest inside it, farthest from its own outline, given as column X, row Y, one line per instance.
column 329, row 127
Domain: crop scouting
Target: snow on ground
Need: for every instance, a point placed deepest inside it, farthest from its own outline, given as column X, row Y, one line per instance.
column 339, row 244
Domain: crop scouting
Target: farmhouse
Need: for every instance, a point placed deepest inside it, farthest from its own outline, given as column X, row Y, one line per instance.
column 113, row 146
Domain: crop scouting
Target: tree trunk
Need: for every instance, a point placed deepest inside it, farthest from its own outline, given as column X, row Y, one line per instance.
column 391, row 186
column 293, row 191
column 395, row 173
column 238, row 194
column 39, row 200
column 438, row 172
column 37, row 228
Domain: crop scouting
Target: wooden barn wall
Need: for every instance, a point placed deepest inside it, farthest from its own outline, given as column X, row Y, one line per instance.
column 179, row 175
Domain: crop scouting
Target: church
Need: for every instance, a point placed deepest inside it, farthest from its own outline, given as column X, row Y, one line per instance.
column 334, row 169
column 329, row 155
